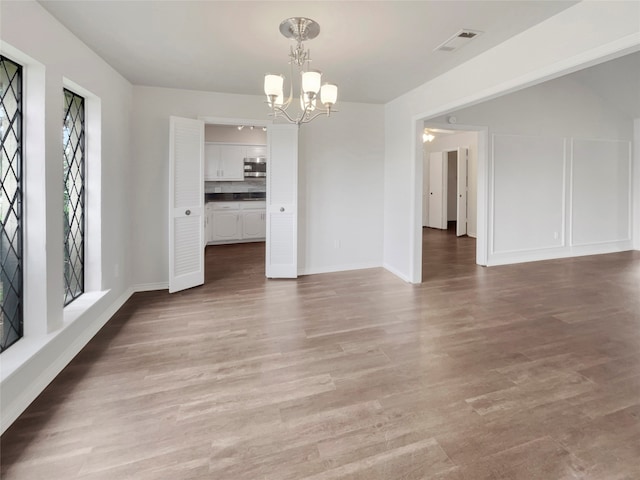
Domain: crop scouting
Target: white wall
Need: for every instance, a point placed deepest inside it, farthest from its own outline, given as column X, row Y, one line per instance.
column 554, row 47
column 559, row 163
column 340, row 175
column 53, row 57
column 341, row 190
column 151, row 110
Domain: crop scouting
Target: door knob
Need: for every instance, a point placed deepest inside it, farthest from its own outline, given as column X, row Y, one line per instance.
column 188, row 212
column 282, row 209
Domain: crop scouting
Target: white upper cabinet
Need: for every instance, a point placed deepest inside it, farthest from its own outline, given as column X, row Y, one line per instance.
column 211, row 161
column 224, row 162
column 232, row 161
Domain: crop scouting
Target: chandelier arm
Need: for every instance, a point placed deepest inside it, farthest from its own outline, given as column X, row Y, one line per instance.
column 307, row 120
column 325, row 111
column 288, row 101
column 284, row 112
column 306, row 112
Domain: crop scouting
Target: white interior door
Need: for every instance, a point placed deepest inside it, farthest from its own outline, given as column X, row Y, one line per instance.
column 461, row 198
column 186, row 203
column 282, row 202
column 437, row 190
column 425, row 190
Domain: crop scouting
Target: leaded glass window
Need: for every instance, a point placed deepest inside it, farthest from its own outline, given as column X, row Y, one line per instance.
column 11, row 294
column 73, row 138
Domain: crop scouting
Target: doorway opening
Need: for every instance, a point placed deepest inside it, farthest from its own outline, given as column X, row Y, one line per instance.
column 452, row 194
column 446, row 188
column 450, row 207
column 235, row 188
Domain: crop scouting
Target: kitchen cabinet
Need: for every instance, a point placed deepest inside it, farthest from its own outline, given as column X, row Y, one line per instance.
column 254, row 220
column 232, row 222
column 254, row 224
column 224, row 162
column 208, row 222
column 226, row 222
column 211, row 161
column 226, row 226
column 232, row 161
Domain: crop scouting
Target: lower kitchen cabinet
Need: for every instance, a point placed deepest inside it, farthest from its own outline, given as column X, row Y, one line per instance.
column 254, row 224
column 208, row 223
column 232, row 222
column 226, row 226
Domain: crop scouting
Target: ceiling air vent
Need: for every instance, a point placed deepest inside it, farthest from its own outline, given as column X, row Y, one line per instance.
column 458, row 40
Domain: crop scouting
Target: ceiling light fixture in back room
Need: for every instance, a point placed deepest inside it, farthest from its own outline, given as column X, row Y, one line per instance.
column 300, row 29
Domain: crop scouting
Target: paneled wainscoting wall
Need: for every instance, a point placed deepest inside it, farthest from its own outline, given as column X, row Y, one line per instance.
column 558, row 197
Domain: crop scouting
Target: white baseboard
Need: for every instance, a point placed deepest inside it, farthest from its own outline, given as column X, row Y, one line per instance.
column 555, row 253
column 148, row 287
column 34, row 384
column 338, row 268
column 397, row 273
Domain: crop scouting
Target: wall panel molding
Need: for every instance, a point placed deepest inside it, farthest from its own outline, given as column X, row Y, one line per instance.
column 601, row 186
column 528, row 186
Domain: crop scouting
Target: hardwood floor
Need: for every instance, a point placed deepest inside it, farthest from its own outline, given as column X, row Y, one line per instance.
column 528, row 371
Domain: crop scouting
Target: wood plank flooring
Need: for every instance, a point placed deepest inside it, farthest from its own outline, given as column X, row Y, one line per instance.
column 528, row 371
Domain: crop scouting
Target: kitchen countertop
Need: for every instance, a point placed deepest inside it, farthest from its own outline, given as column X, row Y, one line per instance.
column 235, row 197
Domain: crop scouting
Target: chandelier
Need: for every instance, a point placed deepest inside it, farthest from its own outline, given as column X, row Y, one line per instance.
column 300, row 29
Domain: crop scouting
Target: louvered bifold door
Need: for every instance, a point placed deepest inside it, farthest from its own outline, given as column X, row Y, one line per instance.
column 282, row 202
column 186, row 203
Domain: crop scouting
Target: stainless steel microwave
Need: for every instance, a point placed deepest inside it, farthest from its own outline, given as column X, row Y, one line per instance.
column 255, row 167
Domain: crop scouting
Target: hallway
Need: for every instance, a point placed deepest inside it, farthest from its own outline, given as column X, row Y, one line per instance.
column 446, row 256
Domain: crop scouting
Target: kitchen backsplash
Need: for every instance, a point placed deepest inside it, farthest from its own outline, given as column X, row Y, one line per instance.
column 249, row 185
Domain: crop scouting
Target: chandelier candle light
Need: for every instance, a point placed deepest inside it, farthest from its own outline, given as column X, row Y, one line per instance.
column 300, row 29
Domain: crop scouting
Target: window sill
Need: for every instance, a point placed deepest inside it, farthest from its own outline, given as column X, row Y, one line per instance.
column 27, row 347
column 80, row 306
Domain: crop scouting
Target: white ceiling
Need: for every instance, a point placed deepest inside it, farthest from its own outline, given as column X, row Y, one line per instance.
column 374, row 50
column 617, row 81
